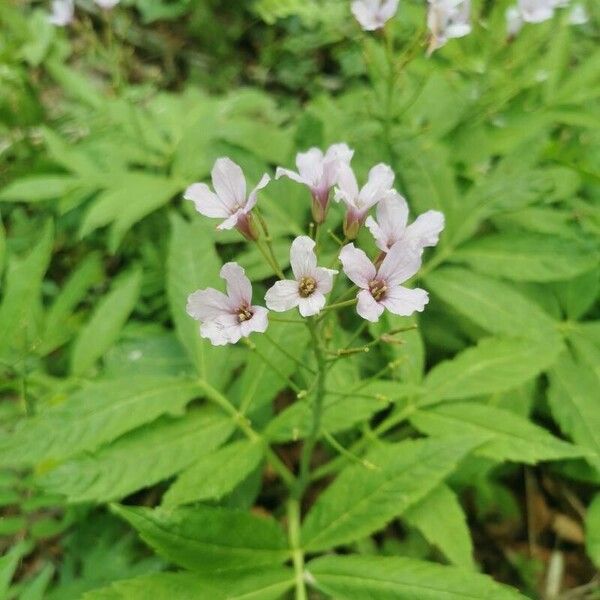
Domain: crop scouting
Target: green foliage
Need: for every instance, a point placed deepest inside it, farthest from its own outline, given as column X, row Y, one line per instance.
column 229, row 485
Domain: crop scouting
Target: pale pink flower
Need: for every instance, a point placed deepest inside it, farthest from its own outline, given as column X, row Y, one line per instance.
column 359, row 202
column 62, row 12
column 374, row 14
column 514, row 21
column 229, row 200
column 319, row 173
column 391, row 225
column 380, row 288
column 447, row 19
column 107, row 4
column 537, row 11
column 226, row 318
column 310, row 284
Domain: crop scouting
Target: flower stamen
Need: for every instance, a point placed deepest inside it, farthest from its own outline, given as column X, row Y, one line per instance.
column 378, row 289
column 244, row 314
column 307, row 286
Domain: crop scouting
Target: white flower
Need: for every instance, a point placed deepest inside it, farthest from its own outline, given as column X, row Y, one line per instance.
column 359, row 202
column 310, row 284
column 448, row 19
column 578, row 15
column 62, row 12
column 391, row 225
column 374, row 14
column 380, row 288
column 514, row 21
column 229, row 200
column 537, row 11
column 224, row 319
column 319, row 173
column 107, row 4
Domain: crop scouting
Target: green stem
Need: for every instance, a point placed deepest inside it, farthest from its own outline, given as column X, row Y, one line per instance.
column 297, row 553
column 317, row 411
column 289, row 354
column 244, row 425
column 270, row 258
column 340, row 304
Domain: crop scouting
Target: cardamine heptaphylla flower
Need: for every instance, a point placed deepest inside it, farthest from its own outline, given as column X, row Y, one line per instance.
column 226, row 318
column 310, row 284
column 373, row 14
column 359, row 201
column 447, row 19
column 229, row 200
column 319, row 172
column 380, row 287
column 391, row 225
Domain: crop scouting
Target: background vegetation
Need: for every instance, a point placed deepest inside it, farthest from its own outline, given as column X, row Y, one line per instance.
column 104, row 123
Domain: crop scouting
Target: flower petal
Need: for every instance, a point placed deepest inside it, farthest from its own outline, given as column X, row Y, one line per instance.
column 224, row 330
column 347, row 189
column 302, row 257
column 231, row 221
column 388, row 9
column 404, row 301
column 365, row 12
column 229, row 183
column 311, row 305
column 264, row 181
column 426, row 229
column 357, row 266
column 380, row 182
column 324, row 279
column 281, row 172
column 208, row 304
column 367, row 307
column 399, row 264
column 207, row 203
column 258, row 323
column 392, row 215
column 282, row 295
column 239, row 288
column 310, row 165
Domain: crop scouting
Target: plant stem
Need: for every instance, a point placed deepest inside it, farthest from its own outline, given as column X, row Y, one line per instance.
column 340, row 304
column 270, row 258
column 297, row 553
column 317, row 410
column 244, row 425
column 289, row 354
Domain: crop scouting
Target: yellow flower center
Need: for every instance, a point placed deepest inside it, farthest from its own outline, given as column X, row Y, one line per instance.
column 377, row 288
column 307, row 286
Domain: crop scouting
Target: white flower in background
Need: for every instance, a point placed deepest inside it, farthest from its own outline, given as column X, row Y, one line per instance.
column 359, row 202
column 578, row 15
column 448, row 19
column 374, row 14
column 310, row 284
column 391, row 225
column 537, row 11
column 62, row 12
column 514, row 21
column 319, row 173
column 229, row 200
column 380, row 288
column 107, row 4
column 225, row 318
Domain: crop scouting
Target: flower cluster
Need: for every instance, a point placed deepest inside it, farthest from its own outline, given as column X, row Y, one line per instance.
column 63, row 11
column 538, row 11
column 226, row 318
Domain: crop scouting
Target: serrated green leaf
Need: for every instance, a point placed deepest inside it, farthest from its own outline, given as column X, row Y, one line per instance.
column 209, row 539
column 22, row 297
column 139, row 459
column 573, row 398
column 494, row 365
column 95, row 415
column 394, row 578
column 215, row 474
column 492, row 304
column 253, row 585
column 104, row 327
column 524, row 256
column 592, row 530
column 362, row 500
column 193, row 264
column 443, row 523
column 511, row 437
